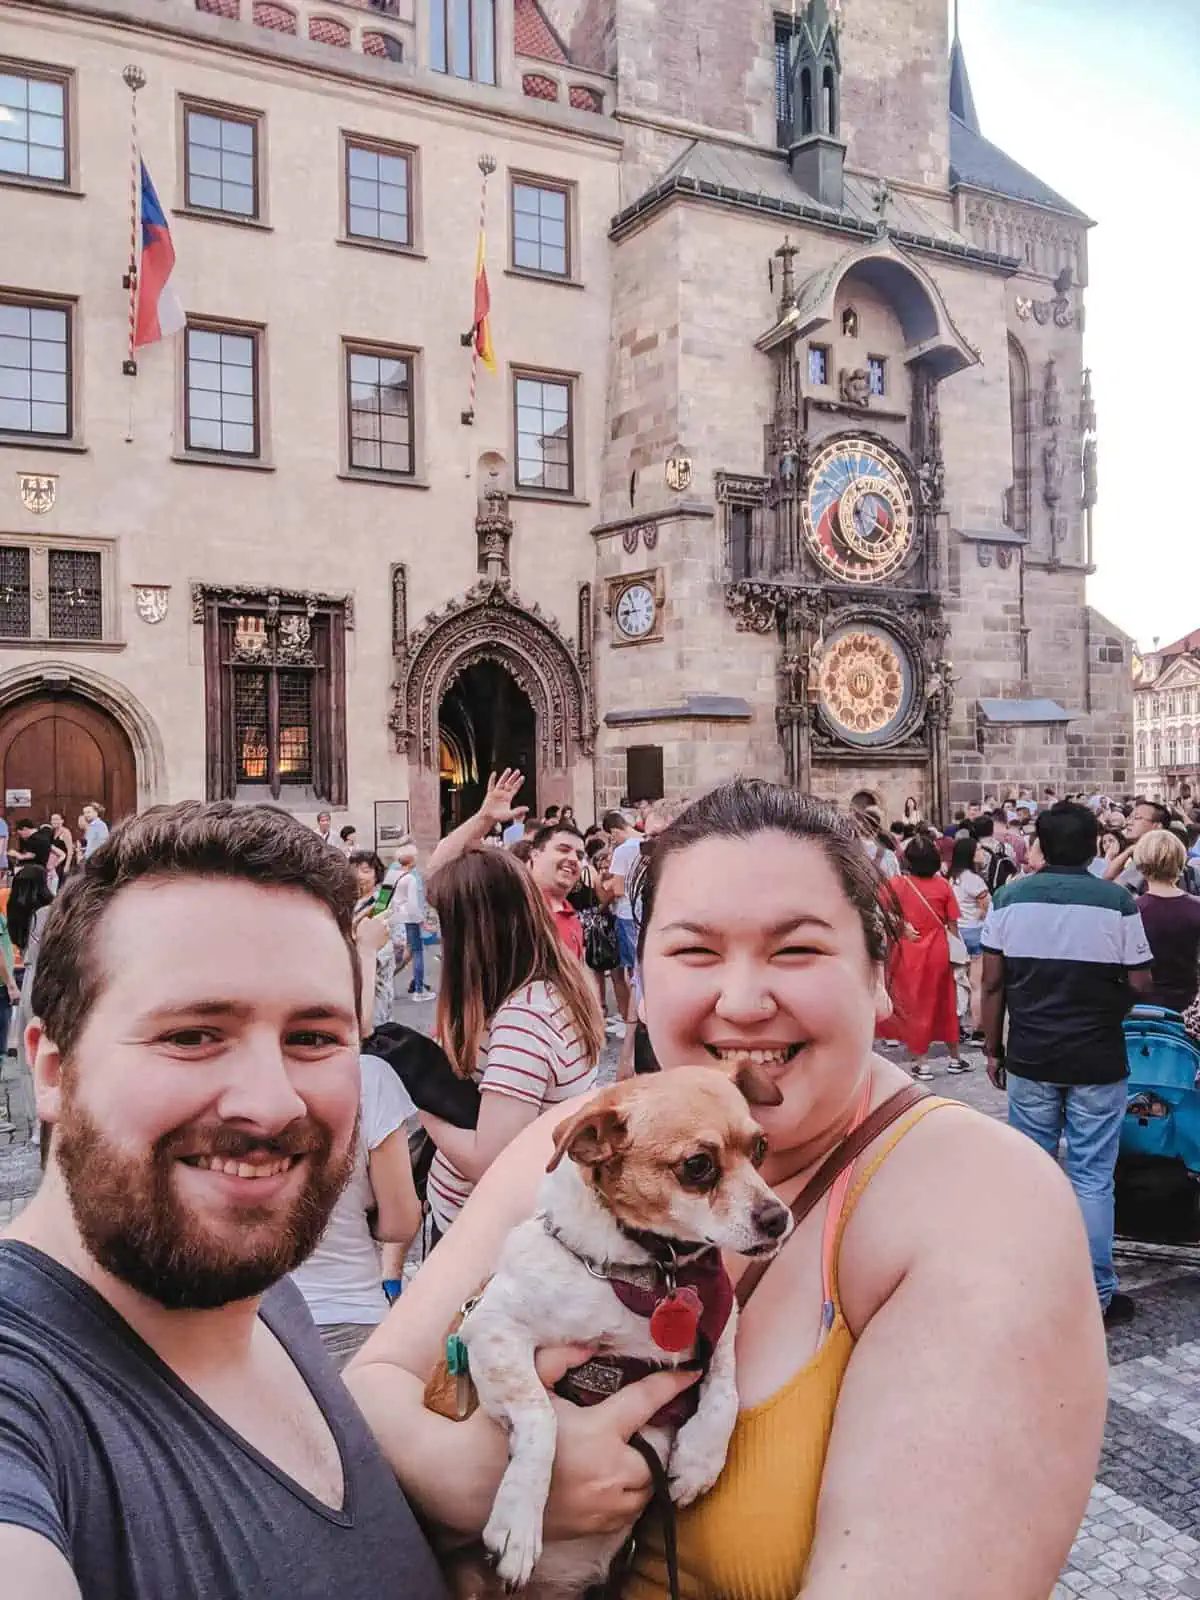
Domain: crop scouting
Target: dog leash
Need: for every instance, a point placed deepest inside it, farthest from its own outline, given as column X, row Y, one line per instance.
column 660, row 1499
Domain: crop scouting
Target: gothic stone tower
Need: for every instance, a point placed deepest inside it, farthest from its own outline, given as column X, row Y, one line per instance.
column 850, row 446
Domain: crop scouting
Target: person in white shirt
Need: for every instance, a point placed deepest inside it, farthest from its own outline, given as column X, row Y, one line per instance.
column 95, row 828
column 974, row 903
column 342, row 1281
column 408, row 920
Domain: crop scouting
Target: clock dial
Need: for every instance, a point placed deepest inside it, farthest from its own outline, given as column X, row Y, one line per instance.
column 858, row 512
column 635, row 611
column 865, row 684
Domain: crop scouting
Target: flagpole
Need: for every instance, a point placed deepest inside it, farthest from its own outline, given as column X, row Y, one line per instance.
column 135, row 79
column 487, row 165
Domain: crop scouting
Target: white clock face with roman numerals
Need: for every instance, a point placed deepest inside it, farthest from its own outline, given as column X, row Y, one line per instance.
column 635, row 611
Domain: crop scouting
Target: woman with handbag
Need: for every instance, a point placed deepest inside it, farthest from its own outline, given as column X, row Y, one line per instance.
column 974, row 900
column 920, row 974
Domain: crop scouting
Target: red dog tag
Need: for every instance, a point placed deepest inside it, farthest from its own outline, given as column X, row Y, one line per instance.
column 675, row 1320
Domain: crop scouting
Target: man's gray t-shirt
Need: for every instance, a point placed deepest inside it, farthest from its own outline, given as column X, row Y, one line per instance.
column 149, row 1494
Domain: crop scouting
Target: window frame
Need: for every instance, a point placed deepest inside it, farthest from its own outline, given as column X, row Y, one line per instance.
column 882, row 363
column 826, row 352
column 383, row 352
column 443, row 7
column 255, row 334
column 569, row 382
column 64, row 77
column 28, row 439
column 531, row 180
column 244, row 115
column 40, row 549
column 384, row 147
column 333, row 616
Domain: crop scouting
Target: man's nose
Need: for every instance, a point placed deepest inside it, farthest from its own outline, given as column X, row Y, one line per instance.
column 259, row 1089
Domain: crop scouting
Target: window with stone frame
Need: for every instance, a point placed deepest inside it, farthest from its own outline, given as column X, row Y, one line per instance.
column 1172, row 749
column 877, row 372
column 785, row 34
column 36, row 368
column 543, row 409
column 462, row 38
column 818, row 366
column 221, row 162
column 1187, row 702
column 221, row 390
column 275, row 691
column 380, row 426
column 379, row 193
column 34, row 124
column 58, row 590
column 1141, row 752
column 541, row 227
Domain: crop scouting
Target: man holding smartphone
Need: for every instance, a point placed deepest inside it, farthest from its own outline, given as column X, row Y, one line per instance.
column 1065, row 956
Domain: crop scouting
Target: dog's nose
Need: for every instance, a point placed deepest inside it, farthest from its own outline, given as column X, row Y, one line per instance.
column 772, row 1219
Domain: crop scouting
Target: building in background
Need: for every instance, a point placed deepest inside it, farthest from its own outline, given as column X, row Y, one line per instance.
column 1166, row 712
column 786, row 467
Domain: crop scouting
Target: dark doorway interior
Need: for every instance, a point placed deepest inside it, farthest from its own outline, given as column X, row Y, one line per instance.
column 485, row 723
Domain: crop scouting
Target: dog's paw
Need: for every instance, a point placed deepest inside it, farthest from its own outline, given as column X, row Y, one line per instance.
column 515, row 1540
column 693, row 1468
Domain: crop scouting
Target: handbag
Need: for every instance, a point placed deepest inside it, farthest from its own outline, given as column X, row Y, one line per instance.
column 960, row 956
column 600, row 948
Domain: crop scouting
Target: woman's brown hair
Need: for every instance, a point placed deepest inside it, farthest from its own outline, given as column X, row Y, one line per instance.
column 749, row 806
column 497, row 936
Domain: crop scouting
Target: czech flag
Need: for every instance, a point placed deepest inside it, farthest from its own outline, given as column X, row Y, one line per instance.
column 159, row 312
column 482, row 327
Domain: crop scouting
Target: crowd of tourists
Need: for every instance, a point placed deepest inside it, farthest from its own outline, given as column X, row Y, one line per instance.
column 246, row 1132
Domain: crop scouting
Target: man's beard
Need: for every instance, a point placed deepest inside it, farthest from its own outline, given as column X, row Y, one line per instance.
column 136, row 1227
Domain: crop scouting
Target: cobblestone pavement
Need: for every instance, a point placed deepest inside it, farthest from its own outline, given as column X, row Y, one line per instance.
column 1140, row 1539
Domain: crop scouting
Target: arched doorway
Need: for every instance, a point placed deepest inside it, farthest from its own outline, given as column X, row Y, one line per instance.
column 483, row 652
column 486, row 722
column 66, row 751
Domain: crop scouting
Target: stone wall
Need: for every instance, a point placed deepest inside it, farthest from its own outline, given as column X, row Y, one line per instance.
column 896, row 88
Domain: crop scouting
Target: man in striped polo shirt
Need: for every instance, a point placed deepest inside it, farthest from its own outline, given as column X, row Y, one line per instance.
column 1065, row 957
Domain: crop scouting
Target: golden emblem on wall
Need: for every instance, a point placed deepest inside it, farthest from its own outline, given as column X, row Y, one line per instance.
column 864, row 684
column 679, row 473
column 38, row 491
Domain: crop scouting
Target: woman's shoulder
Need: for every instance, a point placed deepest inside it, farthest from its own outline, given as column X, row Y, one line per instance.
column 958, row 1193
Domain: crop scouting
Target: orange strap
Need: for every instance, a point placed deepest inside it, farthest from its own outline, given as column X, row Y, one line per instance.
column 837, row 1200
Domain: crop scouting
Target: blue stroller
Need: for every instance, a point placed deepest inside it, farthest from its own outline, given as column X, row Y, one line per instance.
column 1160, row 1139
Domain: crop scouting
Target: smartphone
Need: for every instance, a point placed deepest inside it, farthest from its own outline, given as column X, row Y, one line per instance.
column 383, row 899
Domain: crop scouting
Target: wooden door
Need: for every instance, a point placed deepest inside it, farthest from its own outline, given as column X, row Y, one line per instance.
column 66, row 751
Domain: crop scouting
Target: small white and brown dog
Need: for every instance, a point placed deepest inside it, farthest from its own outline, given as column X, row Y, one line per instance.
column 648, row 1183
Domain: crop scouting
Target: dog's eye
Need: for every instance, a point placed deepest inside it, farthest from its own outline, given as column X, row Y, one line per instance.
column 700, row 1171
column 758, row 1150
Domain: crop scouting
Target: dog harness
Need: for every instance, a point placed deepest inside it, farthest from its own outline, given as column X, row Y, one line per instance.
column 684, row 1293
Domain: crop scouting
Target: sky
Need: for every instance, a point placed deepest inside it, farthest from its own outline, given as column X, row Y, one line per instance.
column 1100, row 99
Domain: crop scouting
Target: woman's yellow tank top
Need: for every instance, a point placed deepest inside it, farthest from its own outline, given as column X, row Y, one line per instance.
column 749, row 1538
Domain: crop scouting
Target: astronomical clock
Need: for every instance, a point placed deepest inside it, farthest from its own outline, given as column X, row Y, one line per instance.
column 857, row 512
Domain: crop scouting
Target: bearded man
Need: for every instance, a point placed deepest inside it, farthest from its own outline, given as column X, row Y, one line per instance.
column 169, row 1423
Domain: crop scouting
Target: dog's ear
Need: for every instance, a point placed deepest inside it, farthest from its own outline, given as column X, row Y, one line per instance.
column 758, row 1089
column 591, row 1137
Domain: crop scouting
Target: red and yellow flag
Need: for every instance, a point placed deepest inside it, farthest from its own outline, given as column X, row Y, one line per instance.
column 483, row 308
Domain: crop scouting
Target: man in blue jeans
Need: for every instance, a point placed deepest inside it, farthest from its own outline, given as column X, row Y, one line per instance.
column 1065, row 956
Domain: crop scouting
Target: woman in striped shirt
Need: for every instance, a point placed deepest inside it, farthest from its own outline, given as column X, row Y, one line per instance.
column 516, row 1012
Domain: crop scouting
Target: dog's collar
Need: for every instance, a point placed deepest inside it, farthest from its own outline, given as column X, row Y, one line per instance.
column 667, row 1256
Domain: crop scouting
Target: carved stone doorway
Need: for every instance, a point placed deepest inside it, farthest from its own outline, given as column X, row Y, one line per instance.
column 486, row 722
column 490, row 627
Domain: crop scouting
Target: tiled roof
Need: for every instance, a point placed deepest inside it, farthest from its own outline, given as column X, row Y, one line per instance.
column 1190, row 641
column 980, row 164
column 751, row 176
column 533, row 36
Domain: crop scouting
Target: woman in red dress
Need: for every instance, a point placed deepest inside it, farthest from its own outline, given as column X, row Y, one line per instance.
column 920, row 977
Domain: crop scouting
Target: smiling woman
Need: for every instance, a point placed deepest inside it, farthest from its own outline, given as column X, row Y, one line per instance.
column 888, row 1442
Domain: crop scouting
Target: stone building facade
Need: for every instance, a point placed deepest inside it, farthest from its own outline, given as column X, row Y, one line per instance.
column 787, row 466
column 1166, row 721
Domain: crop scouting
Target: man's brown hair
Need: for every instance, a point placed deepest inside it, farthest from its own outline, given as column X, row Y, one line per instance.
column 252, row 844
